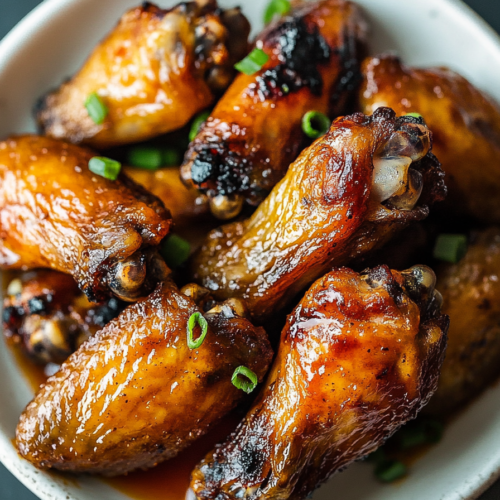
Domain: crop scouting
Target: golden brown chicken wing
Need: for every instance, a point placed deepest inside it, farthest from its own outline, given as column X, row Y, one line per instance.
column 47, row 314
column 471, row 291
column 465, row 125
column 255, row 131
column 359, row 356
column 345, row 195
column 55, row 213
column 136, row 393
column 153, row 73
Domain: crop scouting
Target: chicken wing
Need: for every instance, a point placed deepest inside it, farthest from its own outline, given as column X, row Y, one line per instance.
column 470, row 291
column 359, row 356
column 153, row 73
column 345, row 195
column 255, row 131
column 135, row 394
column 465, row 125
column 55, row 213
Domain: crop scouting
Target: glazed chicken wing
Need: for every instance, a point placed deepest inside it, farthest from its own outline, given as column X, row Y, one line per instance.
column 464, row 122
column 135, row 394
column 345, row 195
column 153, row 73
column 55, row 213
column 255, row 131
column 359, row 356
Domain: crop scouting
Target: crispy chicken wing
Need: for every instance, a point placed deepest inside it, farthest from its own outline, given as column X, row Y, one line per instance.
column 345, row 195
column 359, row 356
column 255, row 131
column 464, row 122
column 135, row 394
column 471, row 290
column 55, row 213
column 153, row 72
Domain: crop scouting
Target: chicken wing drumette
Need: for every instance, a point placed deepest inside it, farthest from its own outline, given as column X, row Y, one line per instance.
column 359, row 356
column 465, row 125
column 55, row 213
column 255, row 131
column 136, row 393
column 153, row 73
column 345, row 195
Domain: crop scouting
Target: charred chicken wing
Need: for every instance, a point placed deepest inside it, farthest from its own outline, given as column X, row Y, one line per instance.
column 136, row 394
column 359, row 356
column 345, row 195
column 255, row 131
column 465, row 125
column 152, row 73
column 55, row 213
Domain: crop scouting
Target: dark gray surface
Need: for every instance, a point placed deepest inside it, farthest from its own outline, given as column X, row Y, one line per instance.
column 11, row 11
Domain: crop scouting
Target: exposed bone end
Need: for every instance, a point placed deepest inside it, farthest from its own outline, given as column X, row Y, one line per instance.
column 231, row 308
column 196, row 292
column 420, row 284
column 226, row 207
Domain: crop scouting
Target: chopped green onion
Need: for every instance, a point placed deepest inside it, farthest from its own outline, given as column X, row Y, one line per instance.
column 96, row 109
column 315, row 124
column 197, row 123
column 145, row 157
column 415, row 115
column 196, row 319
column 276, row 8
column 171, row 157
column 253, row 62
column 377, row 456
column 175, row 250
column 390, row 470
column 418, row 433
column 450, row 247
column 245, row 379
column 105, row 167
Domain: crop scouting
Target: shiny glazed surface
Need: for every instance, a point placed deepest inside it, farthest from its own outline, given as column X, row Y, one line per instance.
column 135, row 394
column 359, row 356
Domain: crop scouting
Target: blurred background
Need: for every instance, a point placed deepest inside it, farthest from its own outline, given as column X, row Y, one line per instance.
column 12, row 11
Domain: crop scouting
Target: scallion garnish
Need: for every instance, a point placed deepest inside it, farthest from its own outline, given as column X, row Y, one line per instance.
column 390, row 470
column 415, row 115
column 377, row 456
column 96, row 109
column 175, row 250
column 171, row 157
column 145, row 157
column 315, row 124
column 196, row 319
column 253, row 62
column 245, row 379
column 276, row 8
column 105, row 167
column 197, row 123
column 450, row 247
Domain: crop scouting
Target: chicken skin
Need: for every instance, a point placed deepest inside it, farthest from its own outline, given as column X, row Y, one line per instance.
column 55, row 213
column 359, row 356
column 255, row 130
column 367, row 178
column 465, row 125
column 153, row 73
column 136, row 394
column 470, row 297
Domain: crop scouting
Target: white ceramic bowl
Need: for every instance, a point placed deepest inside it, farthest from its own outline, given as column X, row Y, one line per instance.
column 52, row 42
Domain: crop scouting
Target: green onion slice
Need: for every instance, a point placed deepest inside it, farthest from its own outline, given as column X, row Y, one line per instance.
column 145, row 157
column 377, row 456
column 197, row 123
column 105, row 167
column 245, row 379
column 171, row 157
column 315, row 124
column 419, row 432
column 175, row 250
column 450, row 247
column 390, row 470
column 253, row 62
column 415, row 115
column 96, row 109
column 194, row 320
column 276, row 8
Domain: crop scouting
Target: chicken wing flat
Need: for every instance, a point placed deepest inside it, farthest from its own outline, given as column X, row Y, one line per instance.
column 153, row 73
column 50, row 317
column 465, row 125
column 135, row 394
column 359, row 356
column 255, row 131
column 345, row 195
column 470, row 291
column 55, row 213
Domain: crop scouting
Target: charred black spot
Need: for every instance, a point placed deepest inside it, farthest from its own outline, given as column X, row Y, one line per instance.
column 382, row 374
column 37, row 305
column 102, row 315
column 9, row 315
